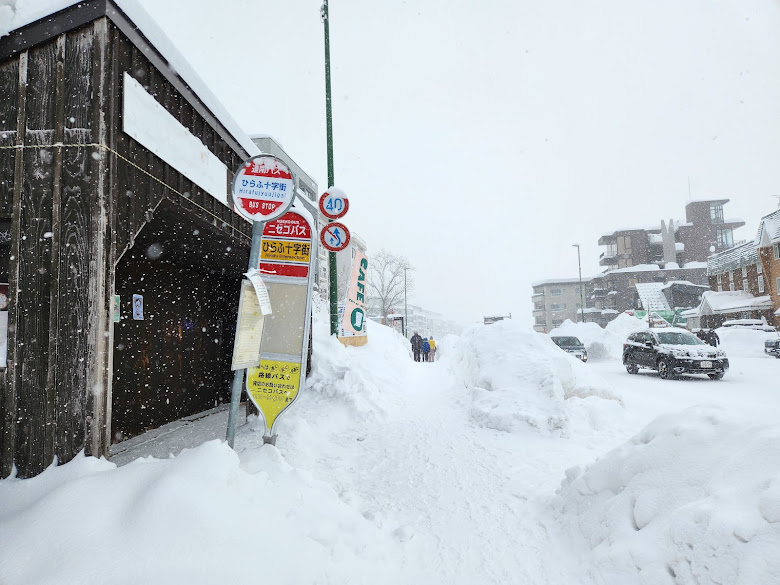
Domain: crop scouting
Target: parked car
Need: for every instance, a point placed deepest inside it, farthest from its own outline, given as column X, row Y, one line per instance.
column 571, row 345
column 673, row 352
column 757, row 324
column 772, row 347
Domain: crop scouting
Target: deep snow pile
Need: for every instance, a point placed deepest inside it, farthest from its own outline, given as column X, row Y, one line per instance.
column 602, row 343
column 206, row 516
column 518, row 378
column 693, row 498
column 743, row 342
column 359, row 377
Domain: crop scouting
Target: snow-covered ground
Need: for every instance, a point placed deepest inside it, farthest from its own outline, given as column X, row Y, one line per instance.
column 506, row 461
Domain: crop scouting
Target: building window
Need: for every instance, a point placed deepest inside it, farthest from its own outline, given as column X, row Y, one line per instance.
column 720, row 285
column 716, row 213
column 759, row 267
column 557, row 307
column 540, row 321
column 556, row 292
column 777, row 251
column 760, row 284
column 725, row 238
column 538, row 306
column 777, row 286
column 557, row 323
column 744, row 283
column 538, row 290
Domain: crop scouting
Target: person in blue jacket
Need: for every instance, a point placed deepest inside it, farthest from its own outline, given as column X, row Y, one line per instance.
column 426, row 349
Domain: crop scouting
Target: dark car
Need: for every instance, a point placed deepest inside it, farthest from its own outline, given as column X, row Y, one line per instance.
column 772, row 347
column 673, row 352
column 571, row 345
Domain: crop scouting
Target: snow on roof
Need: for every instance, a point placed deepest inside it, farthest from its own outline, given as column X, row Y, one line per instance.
column 651, row 295
column 695, row 265
column 559, row 281
column 719, row 302
column 769, row 229
column 25, row 12
column 707, row 200
column 733, row 258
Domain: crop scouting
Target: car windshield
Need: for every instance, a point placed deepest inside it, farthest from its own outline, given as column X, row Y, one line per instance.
column 678, row 338
column 566, row 341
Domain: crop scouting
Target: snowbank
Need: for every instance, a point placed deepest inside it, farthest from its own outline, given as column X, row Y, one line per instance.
column 520, row 378
column 601, row 343
column 206, row 516
column 692, row 498
column 361, row 378
column 737, row 342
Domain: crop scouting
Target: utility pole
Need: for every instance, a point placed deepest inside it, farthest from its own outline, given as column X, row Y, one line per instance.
column 582, row 290
column 332, row 270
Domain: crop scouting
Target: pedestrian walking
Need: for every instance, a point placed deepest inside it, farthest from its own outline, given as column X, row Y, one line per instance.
column 417, row 344
column 426, row 349
column 432, row 353
column 712, row 338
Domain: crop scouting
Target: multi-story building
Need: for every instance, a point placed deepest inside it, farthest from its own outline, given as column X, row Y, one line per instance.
column 674, row 252
column 745, row 279
column 705, row 231
column 557, row 300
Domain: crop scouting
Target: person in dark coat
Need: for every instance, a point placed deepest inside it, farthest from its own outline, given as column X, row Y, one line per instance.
column 417, row 344
column 712, row 338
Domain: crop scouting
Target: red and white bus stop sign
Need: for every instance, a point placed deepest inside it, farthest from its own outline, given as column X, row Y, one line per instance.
column 335, row 236
column 334, row 203
column 263, row 188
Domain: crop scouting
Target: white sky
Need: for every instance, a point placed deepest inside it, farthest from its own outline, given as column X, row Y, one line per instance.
column 482, row 139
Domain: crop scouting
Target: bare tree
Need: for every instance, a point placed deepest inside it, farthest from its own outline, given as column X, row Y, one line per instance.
column 386, row 281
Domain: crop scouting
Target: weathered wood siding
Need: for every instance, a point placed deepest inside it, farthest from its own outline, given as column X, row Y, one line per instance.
column 78, row 191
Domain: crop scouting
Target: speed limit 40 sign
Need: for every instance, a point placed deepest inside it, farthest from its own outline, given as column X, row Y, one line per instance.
column 334, row 203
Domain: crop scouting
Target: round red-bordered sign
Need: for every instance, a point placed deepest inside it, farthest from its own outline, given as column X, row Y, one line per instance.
column 335, row 236
column 263, row 188
column 334, row 203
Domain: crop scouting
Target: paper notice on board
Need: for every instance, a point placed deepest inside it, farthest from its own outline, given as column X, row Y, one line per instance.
column 249, row 330
column 262, row 293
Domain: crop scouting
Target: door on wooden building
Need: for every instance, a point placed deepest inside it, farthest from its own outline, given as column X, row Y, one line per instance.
column 178, row 294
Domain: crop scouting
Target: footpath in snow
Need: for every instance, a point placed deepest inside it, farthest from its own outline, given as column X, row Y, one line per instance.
column 506, row 461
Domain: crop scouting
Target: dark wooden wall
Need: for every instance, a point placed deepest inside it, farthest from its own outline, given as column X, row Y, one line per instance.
column 75, row 210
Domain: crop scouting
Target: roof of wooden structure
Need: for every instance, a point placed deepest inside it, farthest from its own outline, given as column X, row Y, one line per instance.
column 37, row 21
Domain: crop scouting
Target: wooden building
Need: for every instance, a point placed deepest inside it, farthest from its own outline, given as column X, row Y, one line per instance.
column 105, row 193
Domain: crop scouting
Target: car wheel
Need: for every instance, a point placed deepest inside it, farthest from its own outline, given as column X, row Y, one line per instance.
column 665, row 370
column 630, row 364
column 716, row 376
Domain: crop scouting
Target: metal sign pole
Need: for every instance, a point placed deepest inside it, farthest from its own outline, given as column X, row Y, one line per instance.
column 238, row 376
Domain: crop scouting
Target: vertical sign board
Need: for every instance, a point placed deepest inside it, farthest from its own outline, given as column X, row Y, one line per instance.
column 353, row 322
column 286, row 263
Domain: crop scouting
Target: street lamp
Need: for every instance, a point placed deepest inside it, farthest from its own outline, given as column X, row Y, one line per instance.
column 582, row 290
column 406, row 311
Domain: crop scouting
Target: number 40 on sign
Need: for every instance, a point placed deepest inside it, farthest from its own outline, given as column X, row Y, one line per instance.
column 334, row 203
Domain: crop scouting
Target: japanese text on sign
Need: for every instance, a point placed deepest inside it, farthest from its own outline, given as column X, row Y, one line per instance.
column 273, row 385
column 285, row 251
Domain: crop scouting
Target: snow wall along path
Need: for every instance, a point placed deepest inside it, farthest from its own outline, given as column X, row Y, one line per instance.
column 519, row 378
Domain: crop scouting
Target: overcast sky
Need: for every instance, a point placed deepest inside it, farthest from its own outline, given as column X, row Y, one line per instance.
column 482, row 139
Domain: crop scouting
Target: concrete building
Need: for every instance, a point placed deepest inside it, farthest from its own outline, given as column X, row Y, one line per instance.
column 704, row 231
column 557, row 300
